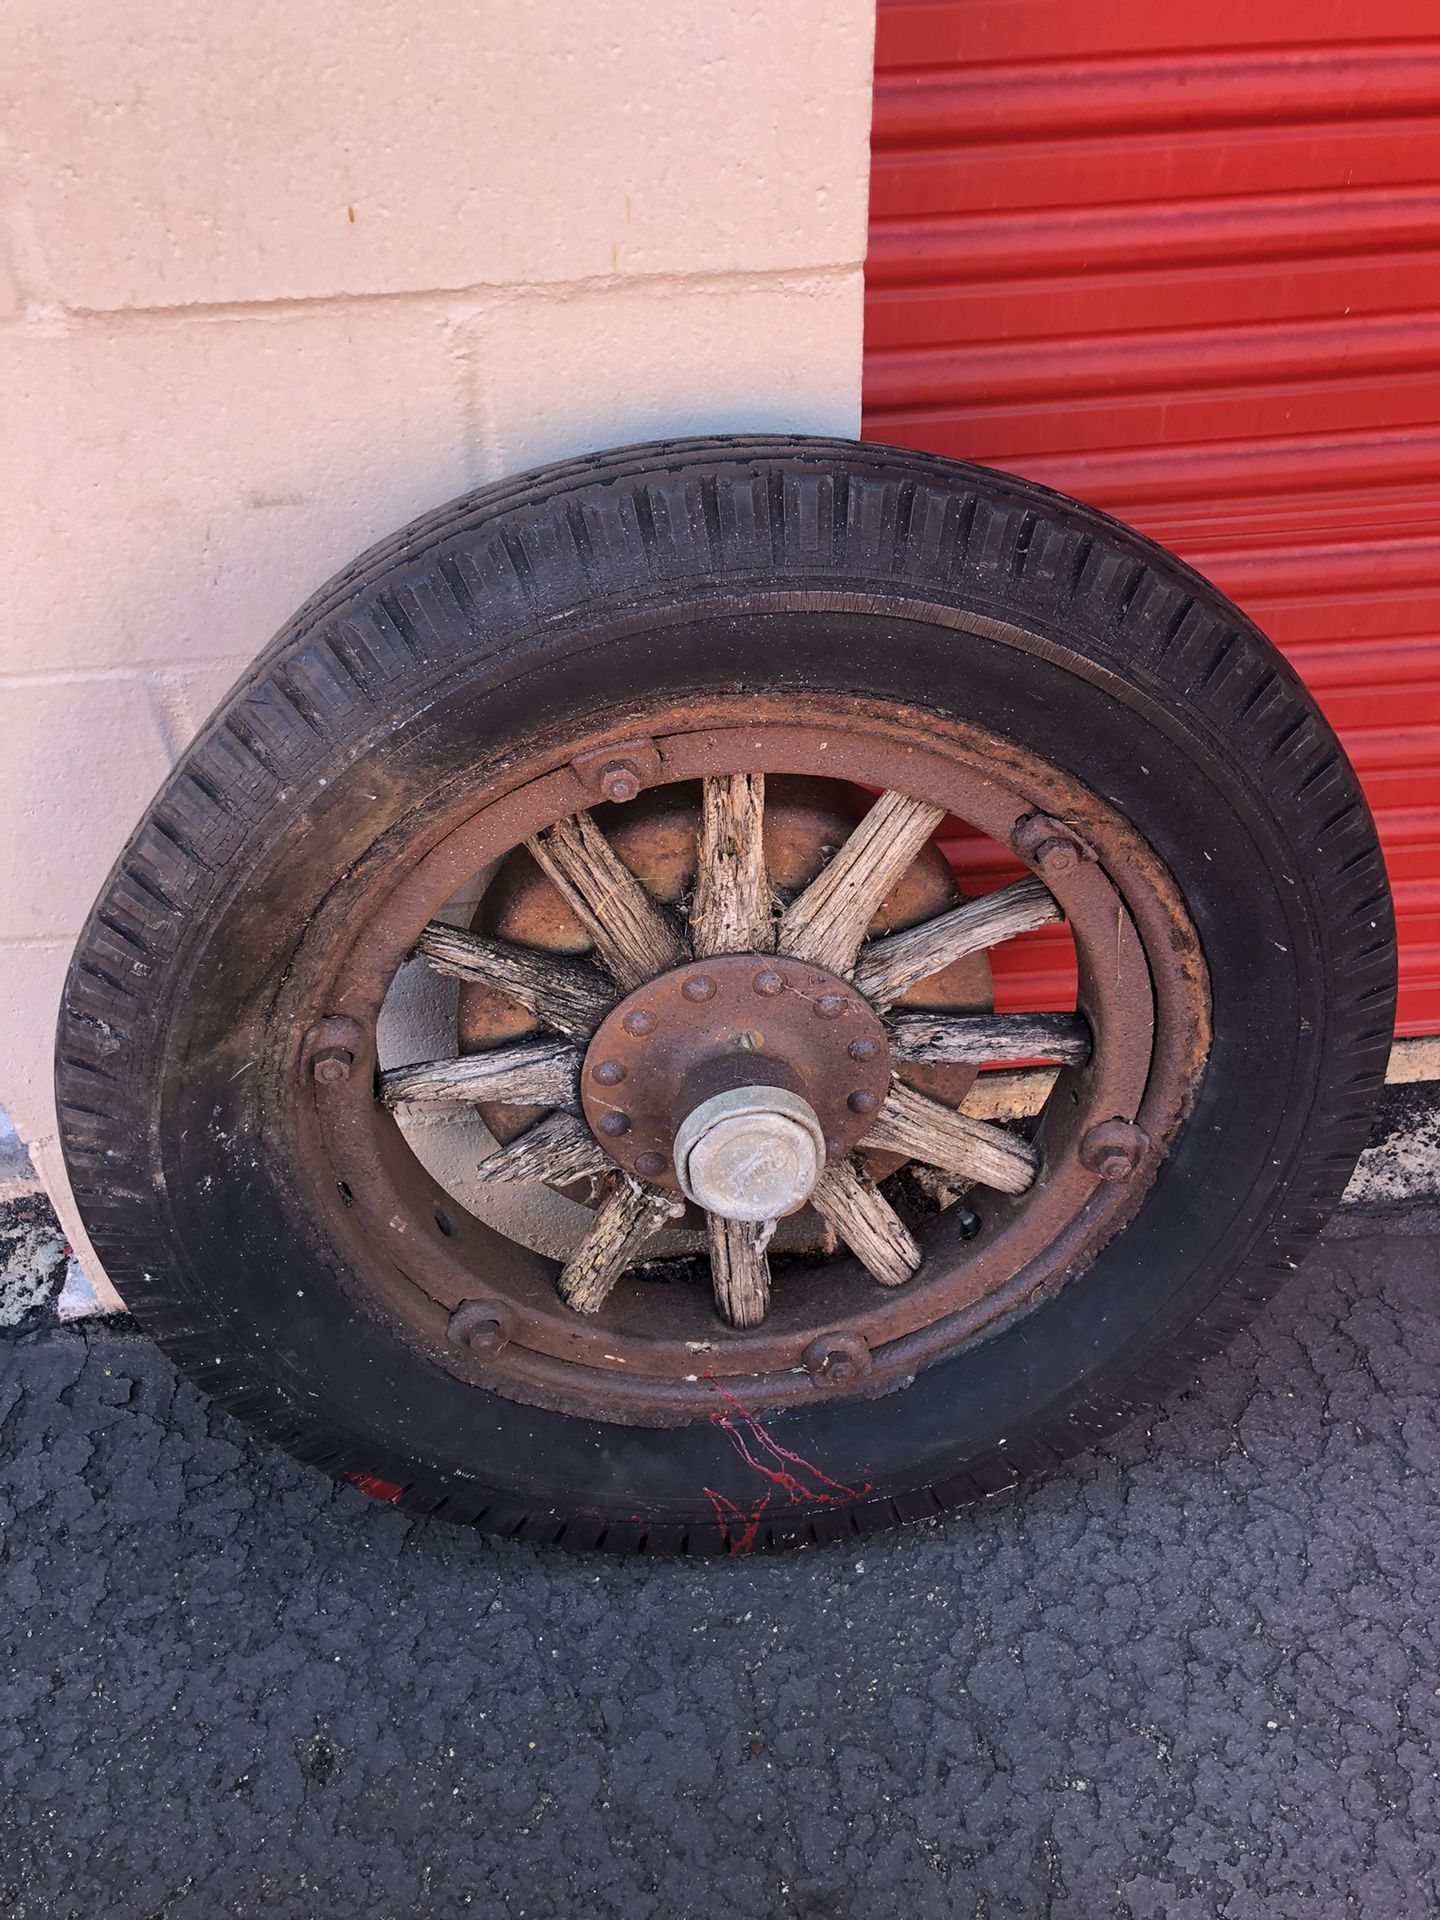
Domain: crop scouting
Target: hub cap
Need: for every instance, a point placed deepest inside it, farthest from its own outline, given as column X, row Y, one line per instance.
column 754, row 1153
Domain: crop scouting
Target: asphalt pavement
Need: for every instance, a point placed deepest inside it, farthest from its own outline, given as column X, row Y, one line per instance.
column 1196, row 1674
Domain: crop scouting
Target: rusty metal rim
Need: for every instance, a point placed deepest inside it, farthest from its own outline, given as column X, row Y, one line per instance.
column 1122, row 907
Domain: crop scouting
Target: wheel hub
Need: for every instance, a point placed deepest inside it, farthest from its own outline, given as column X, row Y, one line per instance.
column 747, row 1068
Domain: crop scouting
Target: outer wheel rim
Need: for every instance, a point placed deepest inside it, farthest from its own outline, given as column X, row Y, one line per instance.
column 634, row 1375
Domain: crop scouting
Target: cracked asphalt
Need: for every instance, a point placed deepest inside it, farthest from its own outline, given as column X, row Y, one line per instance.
column 1196, row 1674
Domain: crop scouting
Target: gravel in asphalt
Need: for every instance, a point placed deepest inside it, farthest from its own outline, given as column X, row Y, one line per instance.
column 1196, row 1674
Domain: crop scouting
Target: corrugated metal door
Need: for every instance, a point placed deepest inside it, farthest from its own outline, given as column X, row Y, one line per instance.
column 1184, row 262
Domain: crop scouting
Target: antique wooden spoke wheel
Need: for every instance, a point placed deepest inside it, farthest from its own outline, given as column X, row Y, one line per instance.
column 540, row 1057
column 762, row 1037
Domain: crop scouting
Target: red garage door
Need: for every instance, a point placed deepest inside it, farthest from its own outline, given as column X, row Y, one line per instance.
column 1184, row 262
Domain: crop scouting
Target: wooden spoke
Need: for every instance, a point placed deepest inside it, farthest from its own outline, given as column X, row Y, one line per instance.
column 827, row 922
column 1011, row 1093
column 973, row 1039
column 732, row 889
column 567, row 995
column 542, row 1073
column 867, row 1223
column 626, row 1221
column 556, row 1149
column 887, row 967
column 740, row 1268
column 927, row 1130
column 634, row 937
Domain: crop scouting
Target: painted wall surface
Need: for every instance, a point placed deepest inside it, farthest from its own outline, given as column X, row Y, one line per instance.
column 273, row 280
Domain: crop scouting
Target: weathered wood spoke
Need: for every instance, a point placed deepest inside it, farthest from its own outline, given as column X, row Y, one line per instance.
column 567, row 995
column 867, row 1223
column 975, row 1038
column 733, row 900
column 542, row 1073
column 740, row 1269
column 826, row 923
column 556, row 1149
column 631, row 1215
column 634, row 937
column 927, row 1130
column 887, row 967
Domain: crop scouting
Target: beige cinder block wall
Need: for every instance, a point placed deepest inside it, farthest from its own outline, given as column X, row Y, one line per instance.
column 276, row 277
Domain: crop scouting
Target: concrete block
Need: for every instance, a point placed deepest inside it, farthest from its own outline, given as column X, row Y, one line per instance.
column 173, row 490
column 83, row 759
column 32, row 976
column 211, row 153
column 557, row 373
column 10, row 294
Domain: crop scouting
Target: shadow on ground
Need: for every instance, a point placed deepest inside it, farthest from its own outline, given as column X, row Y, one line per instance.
column 1195, row 1675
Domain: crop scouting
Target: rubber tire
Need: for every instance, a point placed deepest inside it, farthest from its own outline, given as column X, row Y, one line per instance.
column 1181, row 715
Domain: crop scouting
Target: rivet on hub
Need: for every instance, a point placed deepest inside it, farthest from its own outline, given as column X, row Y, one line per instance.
column 699, row 987
column 863, row 1049
column 608, row 1073
column 480, row 1326
column 769, row 982
column 862, row 1101
column 837, row 1359
column 615, row 1124
column 830, row 1006
column 650, row 1164
column 639, row 1023
column 1114, row 1149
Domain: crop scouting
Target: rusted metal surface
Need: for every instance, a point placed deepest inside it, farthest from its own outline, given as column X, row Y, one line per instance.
column 653, row 1354
column 754, row 1021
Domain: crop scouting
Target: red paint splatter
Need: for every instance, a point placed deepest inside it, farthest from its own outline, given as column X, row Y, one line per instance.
column 741, row 1538
column 777, row 1465
column 378, row 1489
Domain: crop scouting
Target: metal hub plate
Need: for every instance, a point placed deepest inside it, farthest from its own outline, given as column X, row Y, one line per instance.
column 743, row 1019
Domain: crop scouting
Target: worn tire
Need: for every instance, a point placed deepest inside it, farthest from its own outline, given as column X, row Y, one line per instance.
column 1181, row 715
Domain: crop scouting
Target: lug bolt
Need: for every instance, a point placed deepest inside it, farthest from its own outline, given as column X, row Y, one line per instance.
column 619, row 781
column 699, row 987
column 769, row 982
column 615, row 1124
column 330, row 1065
column 1114, row 1149
column 1056, row 857
column 1047, row 845
column 863, row 1049
column 480, row 1326
column 830, row 1006
column 836, row 1359
column 862, row 1102
column 608, row 1073
column 639, row 1022
column 650, row 1163
column 969, row 1223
